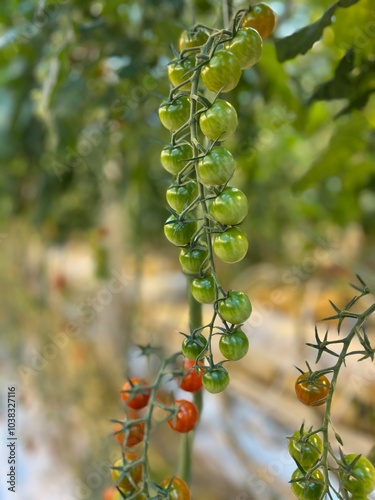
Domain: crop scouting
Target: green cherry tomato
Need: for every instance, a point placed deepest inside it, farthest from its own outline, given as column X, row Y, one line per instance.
column 175, row 114
column 194, row 347
column 235, row 308
column 174, row 158
column 305, row 451
column 246, row 46
column 181, row 196
column 180, row 71
column 192, row 39
column 191, row 259
column 222, row 73
column 234, row 345
column 361, row 479
column 231, row 246
column 230, row 207
column 220, row 121
column 215, row 380
column 203, row 289
column 179, row 232
column 308, row 490
column 217, row 167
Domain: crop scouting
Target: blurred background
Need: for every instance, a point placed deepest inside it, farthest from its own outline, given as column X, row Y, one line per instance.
column 86, row 271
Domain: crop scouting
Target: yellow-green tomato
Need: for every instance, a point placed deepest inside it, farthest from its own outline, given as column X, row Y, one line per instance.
column 174, row 158
column 121, row 480
column 222, row 73
column 180, row 232
column 192, row 39
column 234, row 345
column 305, row 451
column 219, row 122
column 180, row 72
column 231, row 245
column 175, row 114
column 230, row 207
column 194, row 347
column 217, row 167
column 191, row 259
column 235, row 308
column 246, row 46
column 308, row 490
column 203, row 289
column 180, row 196
column 361, row 479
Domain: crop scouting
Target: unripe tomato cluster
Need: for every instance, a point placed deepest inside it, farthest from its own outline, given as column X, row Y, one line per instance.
column 205, row 210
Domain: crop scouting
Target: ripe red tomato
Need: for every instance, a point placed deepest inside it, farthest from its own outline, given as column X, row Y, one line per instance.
column 135, row 433
column 180, row 72
column 262, row 18
column 231, row 245
column 222, row 73
column 174, row 158
column 194, row 347
column 192, row 39
column 186, row 418
column 192, row 380
column 139, row 398
column 308, row 490
column 246, row 46
column 177, row 488
column 219, row 122
column 180, row 232
column 311, row 392
column 175, row 114
column 305, row 451
column 230, row 207
column 203, row 289
column 191, row 259
column 181, row 196
column 217, row 167
column 136, row 473
column 360, row 480
column 234, row 345
column 235, row 308
column 215, row 380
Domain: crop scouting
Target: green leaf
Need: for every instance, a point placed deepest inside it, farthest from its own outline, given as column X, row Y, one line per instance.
column 302, row 40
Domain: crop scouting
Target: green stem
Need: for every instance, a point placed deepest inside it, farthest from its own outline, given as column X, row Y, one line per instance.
column 195, row 308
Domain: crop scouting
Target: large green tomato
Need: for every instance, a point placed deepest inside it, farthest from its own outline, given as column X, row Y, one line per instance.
column 179, row 232
column 174, row 158
column 246, row 46
column 215, row 380
column 230, row 207
column 191, row 259
column 305, row 451
column 361, row 480
column 194, row 347
column 175, row 114
column 235, row 308
column 219, row 122
column 231, row 246
column 222, row 73
column 217, row 167
column 203, row 289
column 180, row 71
column 181, row 196
column 234, row 345
column 308, row 490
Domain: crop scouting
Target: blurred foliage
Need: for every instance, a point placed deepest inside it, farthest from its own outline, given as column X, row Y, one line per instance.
column 81, row 83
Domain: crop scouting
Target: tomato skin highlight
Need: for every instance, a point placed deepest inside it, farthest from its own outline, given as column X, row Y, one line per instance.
column 180, row 232
column 310, row 393
column 215, row 380
column 231, row 245
column 186, row 418
column 174, row 158
column 235, row 308
column 191, row 259
column 230, row 207
column 179, row 490
column 222, row 73
column 261, row 18
column 217, row 167
column 136, row 473
column 304, row 490
column 192, row 381
column 204, row 289
column 194, row 347
column 176, row 114
column 234, row 345
column 219, row 122
column 306, row 453
column 361, row 481
column 140, row 399
column 247, row 46
column 180, row 197
column 134, row 436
